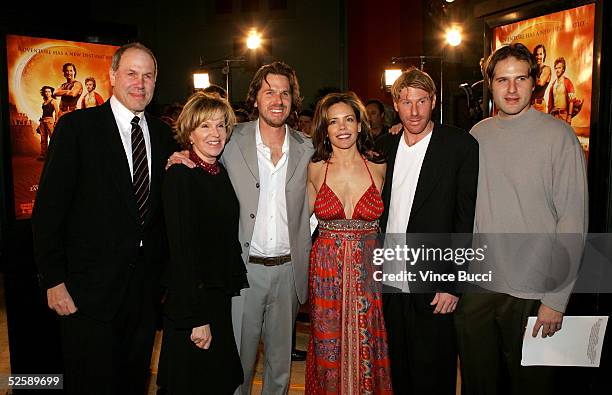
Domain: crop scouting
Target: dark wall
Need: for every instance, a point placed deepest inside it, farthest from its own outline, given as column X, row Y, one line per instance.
column 309, row 35
column 376, row 32
column 305, row 34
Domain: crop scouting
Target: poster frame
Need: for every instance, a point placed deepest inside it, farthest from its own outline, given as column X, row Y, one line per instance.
column 101, row 33
column 600, row 207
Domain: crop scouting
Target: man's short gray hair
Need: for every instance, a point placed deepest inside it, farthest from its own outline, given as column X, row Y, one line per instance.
column 136, row 45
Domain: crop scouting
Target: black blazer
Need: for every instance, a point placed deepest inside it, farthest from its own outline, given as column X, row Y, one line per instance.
column 445, row 195
column 85, row 220
column 206, row 266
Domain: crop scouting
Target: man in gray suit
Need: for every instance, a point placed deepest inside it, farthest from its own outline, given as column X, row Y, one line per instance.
column 267, row 162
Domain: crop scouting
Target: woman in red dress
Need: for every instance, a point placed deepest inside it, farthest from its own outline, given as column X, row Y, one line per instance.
column 348, row 351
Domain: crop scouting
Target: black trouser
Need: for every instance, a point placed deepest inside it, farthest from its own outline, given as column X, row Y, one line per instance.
column 421, row 345
column 112, row 357
column 490, row 329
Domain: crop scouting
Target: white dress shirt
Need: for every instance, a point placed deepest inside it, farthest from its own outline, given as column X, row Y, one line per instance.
column 271, row 232
column 123, row 118
column 408, row 162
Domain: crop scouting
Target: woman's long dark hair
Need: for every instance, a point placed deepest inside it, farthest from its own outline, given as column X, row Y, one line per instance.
column 320, row 122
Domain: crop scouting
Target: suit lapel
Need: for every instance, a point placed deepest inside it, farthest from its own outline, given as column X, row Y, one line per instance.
column 295, row 153
column 390, row 151
column 120, row 168
column 429, row 175
column 248, row 148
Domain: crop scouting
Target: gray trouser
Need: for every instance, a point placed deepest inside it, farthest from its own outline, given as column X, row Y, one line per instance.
column 267, row 308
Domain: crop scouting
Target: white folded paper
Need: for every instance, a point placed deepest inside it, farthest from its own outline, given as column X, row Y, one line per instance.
column 578, row 343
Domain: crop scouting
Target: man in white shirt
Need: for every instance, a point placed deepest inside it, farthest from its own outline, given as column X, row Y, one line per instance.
column 432, row 171
column 267, row 164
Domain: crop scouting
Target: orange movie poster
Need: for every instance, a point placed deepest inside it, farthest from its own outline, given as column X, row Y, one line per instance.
column 48, row 78
column 562, row 44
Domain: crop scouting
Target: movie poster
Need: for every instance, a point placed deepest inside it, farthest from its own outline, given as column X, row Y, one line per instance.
column 46, row 79
column 562, row 44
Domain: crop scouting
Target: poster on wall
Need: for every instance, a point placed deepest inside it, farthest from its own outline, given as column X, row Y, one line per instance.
column 562, row 44
column 47, row 78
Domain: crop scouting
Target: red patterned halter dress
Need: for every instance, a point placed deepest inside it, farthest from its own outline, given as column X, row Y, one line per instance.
column 347, row 353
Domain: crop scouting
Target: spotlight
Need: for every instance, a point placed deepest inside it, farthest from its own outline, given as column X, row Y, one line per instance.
column 453, row 36
column 390, row 76
column 201, row 80
column 253, row 40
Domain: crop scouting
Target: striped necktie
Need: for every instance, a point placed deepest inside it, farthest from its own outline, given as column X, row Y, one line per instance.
column 140, row 168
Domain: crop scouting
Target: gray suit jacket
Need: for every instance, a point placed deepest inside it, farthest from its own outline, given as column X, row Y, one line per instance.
column 240, row 160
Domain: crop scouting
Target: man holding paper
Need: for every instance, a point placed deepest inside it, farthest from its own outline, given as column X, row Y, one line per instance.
column 532, row 183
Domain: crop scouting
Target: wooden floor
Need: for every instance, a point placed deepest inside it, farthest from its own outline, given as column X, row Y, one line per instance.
column 5, row 365
column 297, row 370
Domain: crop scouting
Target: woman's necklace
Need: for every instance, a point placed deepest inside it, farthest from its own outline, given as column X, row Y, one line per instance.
column 211, row 168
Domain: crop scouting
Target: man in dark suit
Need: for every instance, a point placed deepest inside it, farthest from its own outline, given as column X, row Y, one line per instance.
column 430, row 187
column 99, row 237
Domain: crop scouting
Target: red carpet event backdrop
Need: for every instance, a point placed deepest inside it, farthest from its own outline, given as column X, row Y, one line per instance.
column 569, row 35
column 32, row 64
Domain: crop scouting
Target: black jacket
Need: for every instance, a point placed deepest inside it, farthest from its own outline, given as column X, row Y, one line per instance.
column 85, row 220
column 445, row 195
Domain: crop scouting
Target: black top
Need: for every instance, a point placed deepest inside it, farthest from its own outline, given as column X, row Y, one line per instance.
column 202, row 214
column 383, row 132
column 48, row 109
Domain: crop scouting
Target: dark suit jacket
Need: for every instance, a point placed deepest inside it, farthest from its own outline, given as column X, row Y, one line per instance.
column 85, row 220
column 445, row 195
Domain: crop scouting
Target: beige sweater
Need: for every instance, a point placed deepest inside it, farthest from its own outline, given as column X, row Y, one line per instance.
column 532, row 180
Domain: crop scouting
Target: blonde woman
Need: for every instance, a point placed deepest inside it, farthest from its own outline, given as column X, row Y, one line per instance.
column 206, row 269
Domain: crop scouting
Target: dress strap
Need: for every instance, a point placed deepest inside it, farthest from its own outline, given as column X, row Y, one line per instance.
column 326, row 167
column 365, row 162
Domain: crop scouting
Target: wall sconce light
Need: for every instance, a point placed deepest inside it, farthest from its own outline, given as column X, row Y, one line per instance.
column 201, row 76
column 453, row 36
column 391, row 74
column 399, row 64
column 253, row 40
column 201, row 79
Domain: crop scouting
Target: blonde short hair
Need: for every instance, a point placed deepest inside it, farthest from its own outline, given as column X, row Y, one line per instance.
column 201, row 107
column 413, row 78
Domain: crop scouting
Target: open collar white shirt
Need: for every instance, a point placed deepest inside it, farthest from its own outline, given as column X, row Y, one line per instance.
column 123, row 118
column 406, row 172
column 408, row 163
column 271, row 232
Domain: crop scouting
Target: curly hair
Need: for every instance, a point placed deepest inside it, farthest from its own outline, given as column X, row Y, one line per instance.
column 560, row 60
column 535, row 51
column 261, row 75
column 92, row 79
column 42, row 90
column 320, row 122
